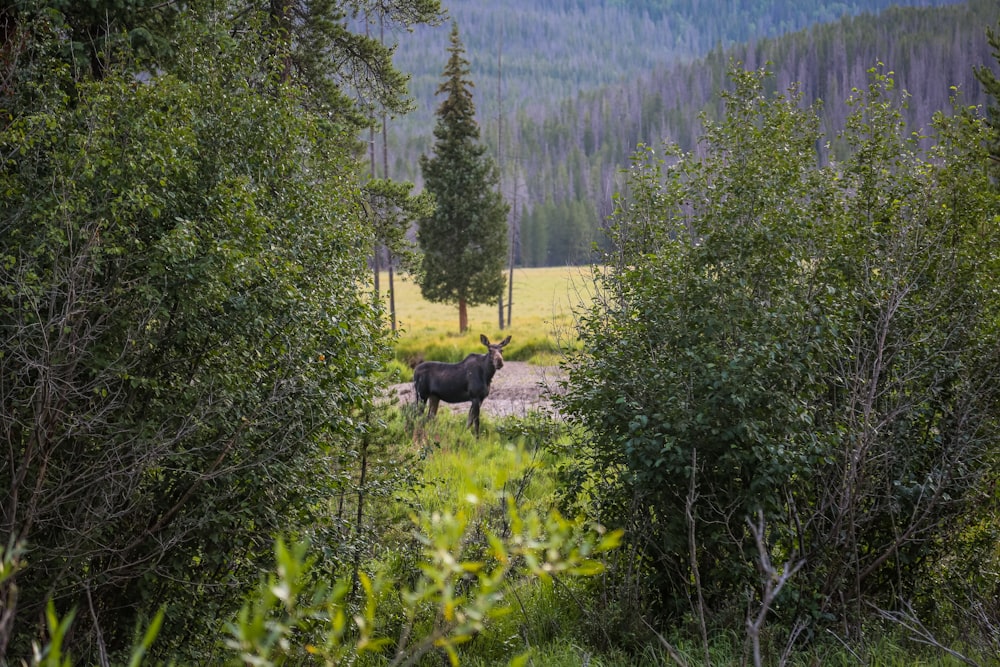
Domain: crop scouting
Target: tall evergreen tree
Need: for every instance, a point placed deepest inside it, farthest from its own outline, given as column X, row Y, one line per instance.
column 464, row 242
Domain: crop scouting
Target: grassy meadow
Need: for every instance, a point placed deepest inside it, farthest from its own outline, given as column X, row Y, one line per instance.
column 542, row 318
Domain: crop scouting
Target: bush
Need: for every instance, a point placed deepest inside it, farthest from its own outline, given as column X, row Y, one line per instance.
column 812, row 345
column 185, row 346
column 452, row 599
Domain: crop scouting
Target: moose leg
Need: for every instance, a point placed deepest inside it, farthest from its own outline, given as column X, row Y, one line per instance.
column 432, row 408
column 474, row 416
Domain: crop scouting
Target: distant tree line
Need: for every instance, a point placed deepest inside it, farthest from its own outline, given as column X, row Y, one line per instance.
column 554, row 50
column 565, row 160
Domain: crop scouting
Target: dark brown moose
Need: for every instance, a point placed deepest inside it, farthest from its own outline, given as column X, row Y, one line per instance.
column 468, row 380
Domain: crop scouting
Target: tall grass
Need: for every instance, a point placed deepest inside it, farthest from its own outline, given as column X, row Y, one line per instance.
column 541, row 326
column 512, row 455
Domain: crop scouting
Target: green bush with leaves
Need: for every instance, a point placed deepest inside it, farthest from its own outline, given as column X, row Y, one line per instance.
column 792, row 362
column 291, row 619
column 186, row 343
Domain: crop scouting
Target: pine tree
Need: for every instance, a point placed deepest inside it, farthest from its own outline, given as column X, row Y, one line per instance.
column 464, row 242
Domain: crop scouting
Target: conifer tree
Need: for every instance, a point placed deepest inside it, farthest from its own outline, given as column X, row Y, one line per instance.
column 464, row 242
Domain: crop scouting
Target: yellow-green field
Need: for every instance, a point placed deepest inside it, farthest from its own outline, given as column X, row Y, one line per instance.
column 542, row 318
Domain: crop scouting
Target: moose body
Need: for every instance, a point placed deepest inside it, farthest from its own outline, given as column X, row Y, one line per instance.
column 468, row 380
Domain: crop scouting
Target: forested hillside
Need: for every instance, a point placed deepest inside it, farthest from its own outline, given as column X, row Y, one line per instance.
column 554, row 50
column 562, row 160
column 570, row 162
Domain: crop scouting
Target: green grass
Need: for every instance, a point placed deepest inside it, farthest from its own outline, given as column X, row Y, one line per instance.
column 505, row 457
column 541, row 327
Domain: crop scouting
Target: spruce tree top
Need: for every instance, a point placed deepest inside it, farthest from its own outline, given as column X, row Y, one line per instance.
column 457, row 107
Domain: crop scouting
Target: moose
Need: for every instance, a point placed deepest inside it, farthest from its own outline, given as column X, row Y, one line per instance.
column 468, row 380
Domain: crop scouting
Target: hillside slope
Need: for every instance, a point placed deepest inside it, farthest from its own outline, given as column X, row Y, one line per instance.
column 558, row 48
column 570, row 162
column 561, row 158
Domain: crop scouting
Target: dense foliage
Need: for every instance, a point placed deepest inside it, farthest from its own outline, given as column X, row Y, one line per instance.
column 188, row 353
column 464, row 241
column 471, row 554
column 795, row 363
column 788, row 396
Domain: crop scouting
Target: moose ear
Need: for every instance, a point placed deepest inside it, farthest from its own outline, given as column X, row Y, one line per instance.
column 484, row 340
column 505, row 341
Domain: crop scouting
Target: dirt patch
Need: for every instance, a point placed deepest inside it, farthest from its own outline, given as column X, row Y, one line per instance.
column 517, row 388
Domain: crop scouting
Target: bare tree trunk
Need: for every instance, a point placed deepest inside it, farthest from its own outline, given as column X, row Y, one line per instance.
column 463, row 315
column 514, row 240
column 510, row 277
column 500, row 146
column 772, row 581
column 281, row 17
column 385, row 175
column 376, row 259
column 360, row 516
column 392, row 294
column 689, row 513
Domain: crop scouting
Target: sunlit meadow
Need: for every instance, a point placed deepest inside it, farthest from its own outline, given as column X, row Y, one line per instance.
column 541, row 325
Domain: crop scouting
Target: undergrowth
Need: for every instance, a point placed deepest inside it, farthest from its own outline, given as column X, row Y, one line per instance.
column 562, row 621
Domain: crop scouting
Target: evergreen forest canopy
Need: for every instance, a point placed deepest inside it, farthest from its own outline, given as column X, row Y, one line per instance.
column 552, row 51
column 561, row 156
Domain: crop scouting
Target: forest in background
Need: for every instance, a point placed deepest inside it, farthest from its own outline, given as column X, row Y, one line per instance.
column 564, row 145
column 553, row 51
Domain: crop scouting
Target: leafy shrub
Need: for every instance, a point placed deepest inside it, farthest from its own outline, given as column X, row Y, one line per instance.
column 816, row 344
column 452, row 599
column 186, row 347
